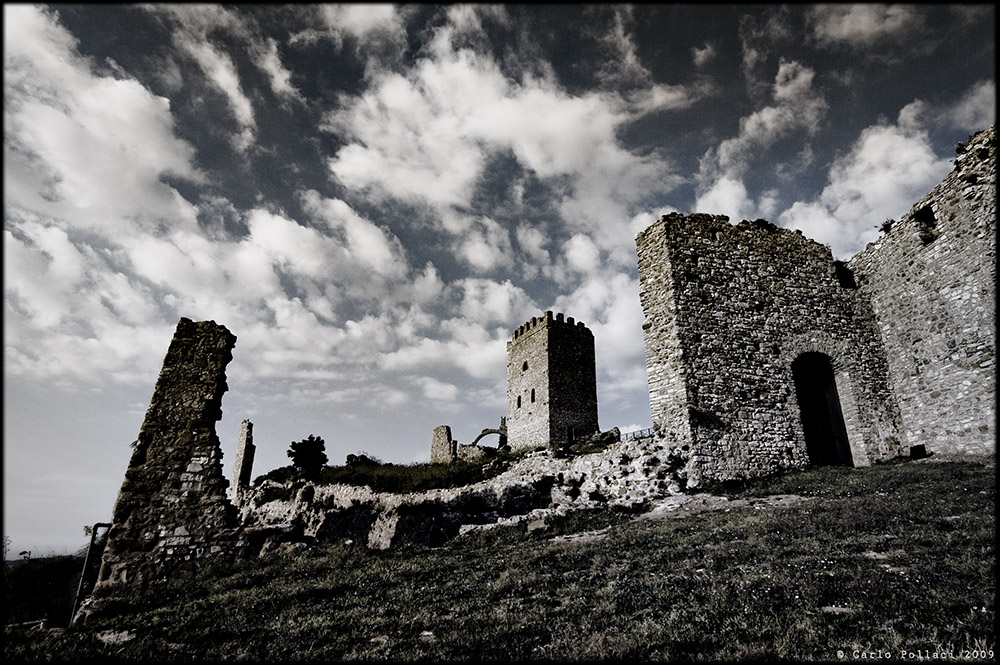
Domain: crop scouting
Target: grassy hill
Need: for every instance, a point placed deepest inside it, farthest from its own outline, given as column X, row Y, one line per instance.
column 825, row 564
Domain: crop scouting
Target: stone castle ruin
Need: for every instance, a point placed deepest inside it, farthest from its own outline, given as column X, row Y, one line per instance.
column 172, row 513
column 931, row 282
column 551, row 383
column 445, row 450
column 731, row 313
column 763, row 354
column 551, row 391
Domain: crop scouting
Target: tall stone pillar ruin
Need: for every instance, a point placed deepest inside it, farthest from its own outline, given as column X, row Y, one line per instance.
column 172, row 514
column 243, row 464
column 443, row 446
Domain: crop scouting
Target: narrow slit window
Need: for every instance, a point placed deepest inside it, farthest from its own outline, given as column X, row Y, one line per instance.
column 519, row 401
column 532, row 395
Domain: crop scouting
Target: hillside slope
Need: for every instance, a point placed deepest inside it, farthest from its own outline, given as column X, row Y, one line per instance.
column 816, row 565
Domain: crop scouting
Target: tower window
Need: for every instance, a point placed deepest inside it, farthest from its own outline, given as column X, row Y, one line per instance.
column 524, row 367
column 926, row 224
column 519, row 401
column 845, row 275
column 532, row 395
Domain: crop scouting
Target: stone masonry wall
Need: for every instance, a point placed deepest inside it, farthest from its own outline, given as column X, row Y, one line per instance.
column 527, row 370
column 728, row 309
column 243, row 462
column 541, row 485
column 931, row 281
column 551, row 382
column 572, row 383
column 442, row 445
column 172, row 513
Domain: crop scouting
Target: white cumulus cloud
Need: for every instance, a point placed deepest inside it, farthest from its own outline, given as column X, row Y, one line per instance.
column 888, row 168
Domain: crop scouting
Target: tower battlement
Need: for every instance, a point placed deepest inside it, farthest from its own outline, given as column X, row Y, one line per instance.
column 548, row 320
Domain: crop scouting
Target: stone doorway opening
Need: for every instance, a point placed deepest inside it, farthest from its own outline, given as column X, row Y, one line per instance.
column 819, row 405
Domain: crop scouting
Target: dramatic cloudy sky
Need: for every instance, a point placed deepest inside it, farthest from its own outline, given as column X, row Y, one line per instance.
column 372, row 197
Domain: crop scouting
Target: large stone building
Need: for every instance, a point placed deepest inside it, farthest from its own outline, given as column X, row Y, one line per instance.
column 763, row 353
column 551, row 383
column 751, row 336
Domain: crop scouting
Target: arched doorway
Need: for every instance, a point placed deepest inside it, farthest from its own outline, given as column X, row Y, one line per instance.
column 819, row 405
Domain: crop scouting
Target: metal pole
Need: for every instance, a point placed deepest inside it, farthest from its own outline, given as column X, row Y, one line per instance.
column 83, row 575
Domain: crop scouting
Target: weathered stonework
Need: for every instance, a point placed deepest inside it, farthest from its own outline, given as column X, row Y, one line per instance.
column 445, row 450
column 757, row 342
column 763, row 354
column 551, row 383
column 626, row 474
column 243, row 463
column 931, row 280
column 442, row 446
column 172, row 513
column 728, row 310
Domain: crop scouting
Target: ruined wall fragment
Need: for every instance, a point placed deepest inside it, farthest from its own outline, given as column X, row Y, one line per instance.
column 243, row 462
column 932, row 283
column 442, row 445
column 728, row 309
column 172, row 514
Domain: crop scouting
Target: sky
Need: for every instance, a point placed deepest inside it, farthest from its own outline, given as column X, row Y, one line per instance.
column 373, row 197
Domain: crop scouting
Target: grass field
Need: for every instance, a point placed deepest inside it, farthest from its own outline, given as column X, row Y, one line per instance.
column 894, row 560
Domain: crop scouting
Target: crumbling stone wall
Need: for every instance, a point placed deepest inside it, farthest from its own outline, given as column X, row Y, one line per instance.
column 728, row 310
column 172, row 513
column 243, row 463
column 541, row 484
column 442, row 446
column 551, row 383
column 445, row 450
column 931, row 281
column 471, row 452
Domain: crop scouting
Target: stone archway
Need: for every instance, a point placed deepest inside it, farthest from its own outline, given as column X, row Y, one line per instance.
column 501, row 433
column 822, row 418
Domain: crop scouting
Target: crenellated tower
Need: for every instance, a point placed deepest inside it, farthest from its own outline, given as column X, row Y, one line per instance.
column 551, row 383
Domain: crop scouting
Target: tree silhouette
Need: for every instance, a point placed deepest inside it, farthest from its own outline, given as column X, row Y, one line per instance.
column 308, row 455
